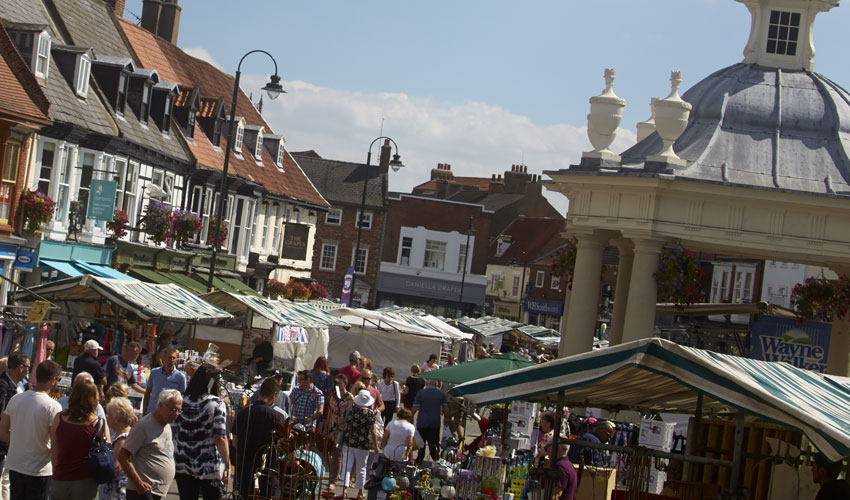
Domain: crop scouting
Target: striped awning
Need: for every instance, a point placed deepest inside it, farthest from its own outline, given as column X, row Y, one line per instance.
column 655, row 375
column 281, row 312
column 148, row 301
column 417, row 324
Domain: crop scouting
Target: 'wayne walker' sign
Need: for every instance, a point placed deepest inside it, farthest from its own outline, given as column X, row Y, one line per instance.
column 804, row 345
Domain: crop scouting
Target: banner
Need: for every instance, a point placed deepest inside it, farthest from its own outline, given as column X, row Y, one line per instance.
column 101, row 205
column 295, row 238
column 346, row 286
column 290, row 335
column 804, row 345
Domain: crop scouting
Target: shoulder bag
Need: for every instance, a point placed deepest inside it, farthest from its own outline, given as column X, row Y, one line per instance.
column 101, row 459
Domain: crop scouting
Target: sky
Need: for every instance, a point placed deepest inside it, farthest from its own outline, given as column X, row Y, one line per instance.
column 478, row 84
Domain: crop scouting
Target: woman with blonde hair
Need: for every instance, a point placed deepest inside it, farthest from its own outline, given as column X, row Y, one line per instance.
column 120, row 417
column 71, row 437
column 116, row 390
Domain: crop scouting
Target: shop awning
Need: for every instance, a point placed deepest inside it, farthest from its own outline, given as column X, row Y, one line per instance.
column 656, row 375
column 165, row 277
column 77, row 268
column 277, row 311
column 146, row 300
column 473, row 370
column 398, row 322
column 62, row 266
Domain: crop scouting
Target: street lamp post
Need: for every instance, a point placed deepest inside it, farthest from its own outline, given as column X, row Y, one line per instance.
column 469, row 232
column 396, row 165
column 273, row 89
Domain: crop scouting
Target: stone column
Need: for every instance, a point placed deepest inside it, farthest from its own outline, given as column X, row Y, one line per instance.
column 584, row 298
column 838, row 359
column 621, row 292
column 639, row 322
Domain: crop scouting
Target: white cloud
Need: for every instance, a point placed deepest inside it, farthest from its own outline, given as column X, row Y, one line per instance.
column 202, row 54
column 477, row 139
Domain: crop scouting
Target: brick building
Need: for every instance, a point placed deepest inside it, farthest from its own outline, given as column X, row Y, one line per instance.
column 425, row 245
column 341, row 183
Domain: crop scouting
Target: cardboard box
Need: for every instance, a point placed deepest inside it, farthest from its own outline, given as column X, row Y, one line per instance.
column 597, row 483
column 656, row 481
column 656, row 434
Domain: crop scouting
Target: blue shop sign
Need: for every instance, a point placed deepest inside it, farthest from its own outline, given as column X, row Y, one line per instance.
column 25, row 259
column 8, row 252
column 547, row 307
column 804, row 345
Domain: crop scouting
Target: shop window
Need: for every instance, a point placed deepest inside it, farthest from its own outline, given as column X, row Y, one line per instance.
column 406, row 249
column 435, row 254
column 328, row 259
column 334, row 217
column 10, row 172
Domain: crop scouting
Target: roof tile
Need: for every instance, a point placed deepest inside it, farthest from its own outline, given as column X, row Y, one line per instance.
column 21, row 94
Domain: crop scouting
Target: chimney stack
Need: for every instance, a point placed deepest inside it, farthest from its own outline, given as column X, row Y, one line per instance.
column 160, row 17
column 150, row 14
column 384, row 162
column 117, row 7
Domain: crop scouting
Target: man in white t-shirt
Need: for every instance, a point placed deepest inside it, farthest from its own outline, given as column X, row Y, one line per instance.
column 28, row 418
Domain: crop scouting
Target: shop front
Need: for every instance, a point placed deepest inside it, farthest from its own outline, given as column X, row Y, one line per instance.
column 437, row 296
column 59, row 260
column 542, row 312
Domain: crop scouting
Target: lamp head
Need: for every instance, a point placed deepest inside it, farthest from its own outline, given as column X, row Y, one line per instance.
column 396, row 163
column 274, row 88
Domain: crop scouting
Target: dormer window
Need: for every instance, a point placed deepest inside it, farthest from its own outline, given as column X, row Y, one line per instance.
column 42, row 55
column 81, row 75
column 240, row 133
column 258, row 149
column 217, row 133
column 279, row 159
column 783, row 33
column 190, row 124
column 166, row 115
column 122, row 93
column 145, row 108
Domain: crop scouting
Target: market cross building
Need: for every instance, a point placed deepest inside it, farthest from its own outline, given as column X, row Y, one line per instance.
column 751, row 161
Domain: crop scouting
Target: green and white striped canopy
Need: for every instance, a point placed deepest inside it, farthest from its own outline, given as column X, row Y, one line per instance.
column 659, row 375
column 281, row 312
column 148, row 301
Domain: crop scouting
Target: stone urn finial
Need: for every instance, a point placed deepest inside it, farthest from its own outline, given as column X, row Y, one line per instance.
column 671, row 119
column 646, row 128
column 606, row 111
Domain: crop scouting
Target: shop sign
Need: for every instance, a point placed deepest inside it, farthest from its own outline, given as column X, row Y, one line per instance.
column 291, row 335
column 295, row 238
column 25, row 259
column 509, row 310
column 547, row 307
column 8, row 252
column 38, row 311
column 804, row 345
column 101, row 205
column 417, row 286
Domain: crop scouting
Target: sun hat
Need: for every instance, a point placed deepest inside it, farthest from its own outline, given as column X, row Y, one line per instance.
column 364, row 398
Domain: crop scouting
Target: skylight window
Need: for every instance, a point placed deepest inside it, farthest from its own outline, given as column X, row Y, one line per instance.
column 783, row 32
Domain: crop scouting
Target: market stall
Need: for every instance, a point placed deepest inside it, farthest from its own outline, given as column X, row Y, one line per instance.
column 655, row 375
column 300, row 329
column 391, row 338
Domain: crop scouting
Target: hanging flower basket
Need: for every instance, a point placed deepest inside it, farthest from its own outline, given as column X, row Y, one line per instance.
column 317, row 292
column 821, row 299
column 295, row 290
column 275, row 288
column 679, row 278
column 157, row 222
column 184, row 226
column 222, row 234
column 118, row 225
column 37, row 210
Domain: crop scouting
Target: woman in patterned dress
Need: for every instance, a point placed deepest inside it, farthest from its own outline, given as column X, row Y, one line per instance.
column 201, row 453
column 357, row 440
column 120, row 417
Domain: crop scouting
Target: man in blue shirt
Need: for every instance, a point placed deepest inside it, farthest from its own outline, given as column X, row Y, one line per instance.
column 308, row 402
column 429, row 403
column 118, row 368
column 166, row 376
column 603, row 431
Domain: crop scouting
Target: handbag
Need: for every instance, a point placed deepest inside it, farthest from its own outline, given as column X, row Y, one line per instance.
column 101, row 459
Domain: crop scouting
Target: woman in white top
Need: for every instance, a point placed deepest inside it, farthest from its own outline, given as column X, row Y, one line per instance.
column 398, row 437
column 390, row 393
